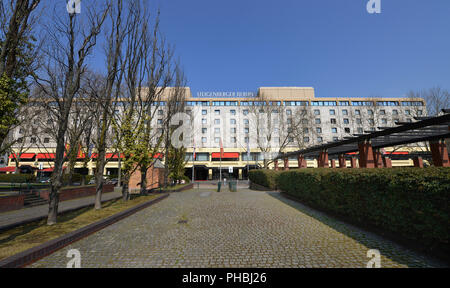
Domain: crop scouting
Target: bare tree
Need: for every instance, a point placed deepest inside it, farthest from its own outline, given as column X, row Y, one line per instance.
column 175, row 104
column 70, row 42
column 17, row 58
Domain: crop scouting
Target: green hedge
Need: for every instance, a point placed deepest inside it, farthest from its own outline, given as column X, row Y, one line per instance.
column 410, row 202
column 264, row 177
column 17, row 178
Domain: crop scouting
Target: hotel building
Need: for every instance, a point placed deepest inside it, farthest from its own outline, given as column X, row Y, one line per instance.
column 289, row 118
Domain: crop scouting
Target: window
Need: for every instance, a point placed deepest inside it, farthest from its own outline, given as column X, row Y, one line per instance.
column 245, row 111
column 319, row 130
column 333, row 121
column 333, row 130
column 319, row 139
column 358, row 121
column 233, row 121
column 332, row 112
column 289, row 121
column 290, row 139
column 204, row 130
column 20, row 131
column 316, row 112
column 233, row 130
column 246, row 130
column 357, row 112
column 382, row 112
column 394, row 112
column 288, row 112
column 233, row 112
column 345, row 112
column 347, row 130
column 384, row 121
column 360, row 130
column 217, row 121
column 370, row 112
column 217, row 112
column 217, row 130
column 407, row 112
column 204, row 112
column 160, row 121
column 346, row 121
column 409, row 120
column 419, row 112
column 204, row 121
column 317, row 120
column 246, row 139
column 305, row 130
column 20, row 140
column 233, row 140
column 371, row 121
column 306, row 139
column 203, row 139
column 49, row 122
column 160, row 112
column 305, row 121
column 46, row 140
column 245, row 121
column 33, row 140
column 217, row 139
column 335, row 138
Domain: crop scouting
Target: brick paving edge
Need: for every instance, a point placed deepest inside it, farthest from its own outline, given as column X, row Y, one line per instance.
column 35, row 253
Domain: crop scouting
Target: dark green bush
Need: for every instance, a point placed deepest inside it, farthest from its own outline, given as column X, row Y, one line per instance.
column 17, row 178
column 412, row 202
column 264, row 177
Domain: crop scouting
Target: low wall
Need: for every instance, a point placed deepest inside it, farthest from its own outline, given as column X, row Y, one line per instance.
column 77, row 192
column 9, row 203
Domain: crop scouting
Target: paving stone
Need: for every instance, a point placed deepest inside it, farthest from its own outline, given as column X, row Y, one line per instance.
column 233, row 229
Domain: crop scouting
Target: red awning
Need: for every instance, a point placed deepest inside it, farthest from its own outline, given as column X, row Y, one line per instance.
column 45, row 156
column 158, row 155
column 7, row 169
column 113, row 156
column 397, row 153
column 23, row 156
column 50, row 169
column 227, row 155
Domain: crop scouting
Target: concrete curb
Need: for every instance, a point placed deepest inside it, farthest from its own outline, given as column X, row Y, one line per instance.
column 33, row 254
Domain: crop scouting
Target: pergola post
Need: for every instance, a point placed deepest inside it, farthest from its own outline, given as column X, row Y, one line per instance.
column 387, row 162
column 323, row 159
column 366, row 155
column 353, row 162
column 301, row 161
column 378, row 158
column 333, row 163
column 418, row 162
column 439, row 153
column 275, row 164
column 286, row 163
column 342, row 163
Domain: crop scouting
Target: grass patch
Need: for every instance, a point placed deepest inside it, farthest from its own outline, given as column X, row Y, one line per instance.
column 33, row 234
column 176, row 187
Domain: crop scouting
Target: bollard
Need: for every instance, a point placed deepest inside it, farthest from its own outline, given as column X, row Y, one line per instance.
column 219, row 184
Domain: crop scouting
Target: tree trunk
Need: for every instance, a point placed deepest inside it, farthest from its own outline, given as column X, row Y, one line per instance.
column 125, row 194
column 99, row 179
column 143, row 182
column 53, row 205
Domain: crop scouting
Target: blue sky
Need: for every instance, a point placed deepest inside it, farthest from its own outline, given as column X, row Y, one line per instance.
column 334, row 46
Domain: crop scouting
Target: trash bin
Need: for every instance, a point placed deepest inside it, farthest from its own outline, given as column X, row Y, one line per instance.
column 219, row 184
column 233, row 187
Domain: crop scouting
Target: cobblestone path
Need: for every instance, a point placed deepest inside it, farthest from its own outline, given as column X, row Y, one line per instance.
column 203, row 228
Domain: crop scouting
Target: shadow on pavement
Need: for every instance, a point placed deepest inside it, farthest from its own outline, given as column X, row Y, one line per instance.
column 369, row 239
